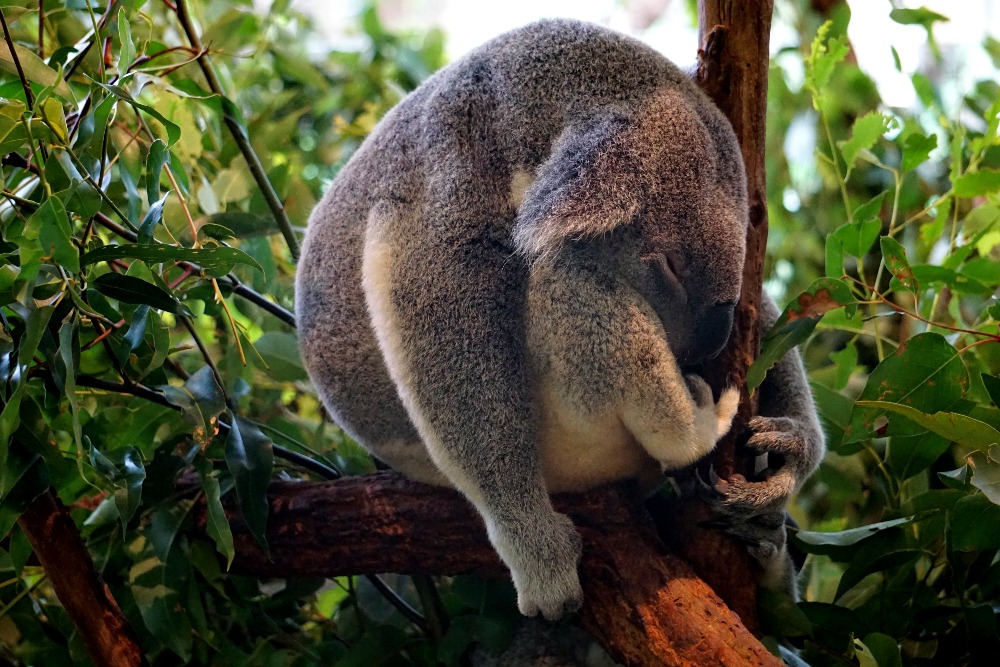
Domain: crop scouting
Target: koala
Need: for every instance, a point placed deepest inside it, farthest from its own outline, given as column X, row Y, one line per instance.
column 501, row 291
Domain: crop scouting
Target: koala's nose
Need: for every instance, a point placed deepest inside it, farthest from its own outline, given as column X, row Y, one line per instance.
column 713, row 331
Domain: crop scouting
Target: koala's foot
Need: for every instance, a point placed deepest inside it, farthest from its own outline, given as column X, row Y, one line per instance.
column 542, row 555
column 753, row 511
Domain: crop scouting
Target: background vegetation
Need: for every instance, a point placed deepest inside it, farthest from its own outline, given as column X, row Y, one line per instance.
column 147, row 357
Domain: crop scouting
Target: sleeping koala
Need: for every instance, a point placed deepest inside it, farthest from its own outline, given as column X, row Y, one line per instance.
column 501, row 288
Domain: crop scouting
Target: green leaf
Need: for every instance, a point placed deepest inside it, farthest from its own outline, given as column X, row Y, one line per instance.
column 243, row 224
column 923, row 17
column 977, row 183
column 250, row 458
column 217, row 524
column 150, row 220
column 55, row 234
column 839, row 543
column 173, row 132
column 992, row 385
column 796, row 323
column 877, row 649
column 201, row 402
column 974, row 522
column 155, row 587
column 925, row 374
column 864, row 134
column 824, row 55
column 916, row 149
column 159, row 155
column 35, row 69
column 984, row 270
column 986, row 472
column 217, row 261
column 127, row 53
column 130, row 289
column 898, row 265
column 955, row 427
column 35, row 326
column 280, row 351
column 857, row 238
column 909, row 455
column 845, row 361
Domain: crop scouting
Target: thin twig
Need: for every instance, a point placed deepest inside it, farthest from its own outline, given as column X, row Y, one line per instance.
column 253, row 161
column 141, row 391
column 399, row 603
column 17, row 63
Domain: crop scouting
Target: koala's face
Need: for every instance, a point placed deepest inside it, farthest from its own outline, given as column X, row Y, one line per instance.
column 691, row 276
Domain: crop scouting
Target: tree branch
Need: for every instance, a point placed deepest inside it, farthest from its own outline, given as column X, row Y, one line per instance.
column 644, row 605
column 85, row 597
column 732, row 70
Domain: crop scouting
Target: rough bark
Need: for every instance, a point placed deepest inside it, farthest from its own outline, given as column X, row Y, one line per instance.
column 732, row 70
column 85, row 597
column 645, row 606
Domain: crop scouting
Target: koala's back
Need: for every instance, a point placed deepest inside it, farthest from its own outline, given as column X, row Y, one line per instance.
column 487, row 120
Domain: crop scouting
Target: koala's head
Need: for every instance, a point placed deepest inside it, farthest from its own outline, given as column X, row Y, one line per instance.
column 662, row 191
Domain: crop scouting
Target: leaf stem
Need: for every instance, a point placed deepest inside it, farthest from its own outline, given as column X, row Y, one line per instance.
column 17, row 63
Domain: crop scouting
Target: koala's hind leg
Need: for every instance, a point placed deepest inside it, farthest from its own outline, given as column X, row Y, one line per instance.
column 449, row 322
column 340, row 351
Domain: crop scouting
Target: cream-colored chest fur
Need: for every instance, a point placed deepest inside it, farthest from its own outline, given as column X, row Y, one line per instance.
column 579, row 451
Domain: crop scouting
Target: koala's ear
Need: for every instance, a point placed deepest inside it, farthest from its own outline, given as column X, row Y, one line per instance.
column 572, row 197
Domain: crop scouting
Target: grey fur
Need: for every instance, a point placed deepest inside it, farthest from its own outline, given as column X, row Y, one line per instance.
column 537, row 235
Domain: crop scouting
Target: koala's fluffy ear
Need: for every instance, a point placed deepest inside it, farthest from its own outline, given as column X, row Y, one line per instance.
column 572, row 198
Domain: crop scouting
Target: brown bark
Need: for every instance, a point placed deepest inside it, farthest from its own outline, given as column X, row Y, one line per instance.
column 644, row 605
column 85, row 597
column 732, row 70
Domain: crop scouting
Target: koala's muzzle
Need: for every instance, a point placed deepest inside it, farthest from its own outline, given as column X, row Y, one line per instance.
column 712, row 332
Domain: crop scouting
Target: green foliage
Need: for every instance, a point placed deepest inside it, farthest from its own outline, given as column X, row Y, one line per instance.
column 148, row 365
column 903, row 515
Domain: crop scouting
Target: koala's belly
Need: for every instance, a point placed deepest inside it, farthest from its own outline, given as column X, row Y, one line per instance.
column 580, row 451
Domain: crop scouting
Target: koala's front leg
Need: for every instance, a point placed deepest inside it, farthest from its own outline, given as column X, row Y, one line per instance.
column 448, row 316
column 789, row 441
column 673, row 416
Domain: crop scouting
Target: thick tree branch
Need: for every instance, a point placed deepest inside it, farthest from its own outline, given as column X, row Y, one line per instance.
column 732, row 70
column 85, row 597
column 644, row 605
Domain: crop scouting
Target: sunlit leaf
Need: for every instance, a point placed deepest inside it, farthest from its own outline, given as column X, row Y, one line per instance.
column 978, row 183
column 796, row 323
column 35, row 69
column 956, row 427
column 866, row 131
column 925, row 375
column 895, row 260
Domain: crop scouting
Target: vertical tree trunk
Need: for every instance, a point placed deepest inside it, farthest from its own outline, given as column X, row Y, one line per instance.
column 732, row 70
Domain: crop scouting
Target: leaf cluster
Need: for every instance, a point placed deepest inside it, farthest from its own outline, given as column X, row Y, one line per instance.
column 900, row 322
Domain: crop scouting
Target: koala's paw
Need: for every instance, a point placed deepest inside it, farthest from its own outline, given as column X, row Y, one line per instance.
column 543, row 560
column 736, row 506
column 712, row 418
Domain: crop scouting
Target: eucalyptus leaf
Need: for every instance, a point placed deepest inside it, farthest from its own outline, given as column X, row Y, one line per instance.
column 986, row 472
column 796, row 323
column 215, row 260
column 129, row 289
column 250, row 458
column 924, row 375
